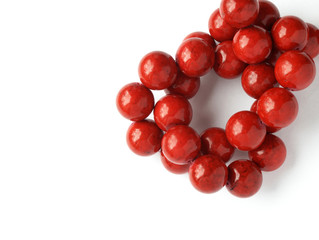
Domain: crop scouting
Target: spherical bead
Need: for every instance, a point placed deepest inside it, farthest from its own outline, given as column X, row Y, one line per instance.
column 268, row 15
column 204, row 36
column 312, row 47
column 172, row 167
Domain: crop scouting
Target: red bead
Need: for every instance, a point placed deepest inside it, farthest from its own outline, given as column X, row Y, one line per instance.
column 277, row 107
column 172, row 110
column 312, row 47
column 208, row 174
column 295, row 70
column 144, row 137
column 181, row 144
column 227, row 65
column 185, row 86
column 239, row 13
column 273, row 57
column 135, row 102
column 268, row 14
column 204, row 36
column 157, row 70
column 172, row 167
column 257, row 79
column 195, row 57
column 252, row 45
column 245, row 131
column 219, row 29
column 290, row 33
column 270, row 155
column 214, row 141
column 244, row 178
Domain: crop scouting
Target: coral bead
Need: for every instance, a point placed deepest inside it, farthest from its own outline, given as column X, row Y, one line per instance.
column 157, row 70
column 245, row 131
column 268, row 15
column 227, row 65
column 239, row 13
column 172, row 110
column 181, row 144
column 270, row 155
column 144, row 137
column 172, row 167
column 277, row 107
column 204, row 36
column 290, row 33
column 195, row 57
column 214, row 141
column 312, row 47
column 208, row 174
column 252, row 45
column 295, row 70
column 135, row 102
column 244, row 178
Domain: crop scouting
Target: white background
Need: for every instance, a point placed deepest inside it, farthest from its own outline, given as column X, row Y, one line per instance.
column 65, row 169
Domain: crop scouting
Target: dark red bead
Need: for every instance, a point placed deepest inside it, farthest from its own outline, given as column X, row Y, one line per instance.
column 135, row 101
column 244, row 178
column 268, row 15
column 273, row 57
column 208, row 174
column 172, row 110
column 144, row 137
column 181, row 144
column 252, row 44
column 204, row 36
column 270, row 155
column 172, row 167
column 157, row 70
column 214, row 141
column 312, row 47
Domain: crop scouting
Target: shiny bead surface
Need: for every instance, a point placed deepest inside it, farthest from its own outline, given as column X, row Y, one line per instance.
column 268, row 15
column 135, row 101
column 204, row 36
column 295, row 70
column 312, row 47
column 208, row 174
column 172, row 167
column 157, row 70
column 244, row 178
column 181, row 144
column 144, row 137
column 245, row 131
column 172, row 110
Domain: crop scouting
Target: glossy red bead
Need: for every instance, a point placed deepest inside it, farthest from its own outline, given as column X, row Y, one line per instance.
column 252, row 44
column 157, row 70
column 220, row 29
column 227, row 65
column 135, row 101
column 270, row 155
column 257, row 79
column 295, row 70
column 214, row 141
column 144, row 137
column 245, row 131
column 172, row 110
column 244, row 178
column 204, row 36
column 195, row 57
column 239, row 13
column 268, row 14
column 273, row 57
column 208, row 174
column 312, row 47
column 181, row 144
column 290, row 33
column 172, row 167
column 277, row 107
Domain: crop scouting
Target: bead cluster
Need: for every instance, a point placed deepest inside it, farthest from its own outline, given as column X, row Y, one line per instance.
column 274, row 55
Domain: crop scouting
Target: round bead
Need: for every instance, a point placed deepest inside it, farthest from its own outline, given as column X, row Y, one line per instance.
column 172, row 167
column 252, row 45
column 273, row 57
column 270, row 155
column 295, row 70
column 227, row 65
column 195, row 57
column 135, row 102
column 181, row 144
column 204, row 36
column 312, row 47
column 268, row 15
column 157, row 70
column 208, row 174
column 172, row 110
column 245, row 131
column 290, row 33
column 239, row 13
column 257, row 79
column 144, row 137
column 219, row 29
column 214, row 141
column 277, row 107
column 244, row 178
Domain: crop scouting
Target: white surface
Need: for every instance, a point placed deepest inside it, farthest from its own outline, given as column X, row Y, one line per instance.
column 65, row 169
